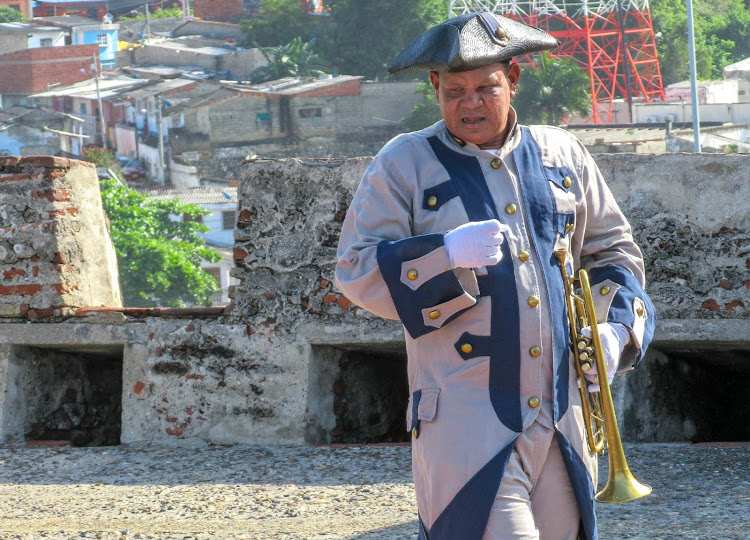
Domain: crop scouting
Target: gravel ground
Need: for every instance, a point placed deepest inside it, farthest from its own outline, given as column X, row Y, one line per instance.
column 246, row 492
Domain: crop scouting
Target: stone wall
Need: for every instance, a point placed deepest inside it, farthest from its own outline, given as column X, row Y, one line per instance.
column 292, row 360
column 55, row 251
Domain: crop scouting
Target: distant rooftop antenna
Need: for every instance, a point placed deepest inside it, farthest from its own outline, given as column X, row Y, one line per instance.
column 613, row 40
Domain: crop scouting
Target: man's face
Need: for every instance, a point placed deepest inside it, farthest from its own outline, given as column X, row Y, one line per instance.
column 475, row 104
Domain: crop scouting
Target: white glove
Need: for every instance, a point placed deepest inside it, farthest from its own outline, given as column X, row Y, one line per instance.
column 476, row 244
column 614, row 337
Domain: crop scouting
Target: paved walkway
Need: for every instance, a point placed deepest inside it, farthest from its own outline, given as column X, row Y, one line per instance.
column 356, row 493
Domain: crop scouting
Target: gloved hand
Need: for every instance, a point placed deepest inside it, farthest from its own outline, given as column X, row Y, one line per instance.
column 475, row 244
column 614, row 338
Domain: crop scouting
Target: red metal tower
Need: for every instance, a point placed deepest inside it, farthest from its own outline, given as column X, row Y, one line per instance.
column 613, row 40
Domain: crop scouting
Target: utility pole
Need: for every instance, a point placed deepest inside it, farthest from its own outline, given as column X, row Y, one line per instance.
column 160, row 129
column 693, row 79
column 148, row 23
column 99, row 101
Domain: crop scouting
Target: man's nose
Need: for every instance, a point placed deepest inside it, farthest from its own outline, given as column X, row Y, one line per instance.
column 472, row 99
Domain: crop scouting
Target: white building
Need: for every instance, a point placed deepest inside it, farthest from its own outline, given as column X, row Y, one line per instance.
column 222, row 203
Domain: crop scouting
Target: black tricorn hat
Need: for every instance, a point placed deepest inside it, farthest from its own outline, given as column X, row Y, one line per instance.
column 469, row 42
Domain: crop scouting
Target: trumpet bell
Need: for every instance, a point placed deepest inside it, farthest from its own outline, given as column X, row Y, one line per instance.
column 622, row 487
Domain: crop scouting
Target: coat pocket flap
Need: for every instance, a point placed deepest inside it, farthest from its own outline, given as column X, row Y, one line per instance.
column 428, row 404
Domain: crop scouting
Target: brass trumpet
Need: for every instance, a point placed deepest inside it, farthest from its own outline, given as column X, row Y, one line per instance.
column 598, row 408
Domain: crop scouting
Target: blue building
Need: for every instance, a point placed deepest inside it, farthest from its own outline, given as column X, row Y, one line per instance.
column 83, row 31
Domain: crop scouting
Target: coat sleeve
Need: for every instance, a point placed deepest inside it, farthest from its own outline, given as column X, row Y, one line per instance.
column 614, row 262
column 382, row 267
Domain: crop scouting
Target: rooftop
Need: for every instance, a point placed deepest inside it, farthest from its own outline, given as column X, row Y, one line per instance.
column 295, row 85
column 199, row 195
column 26, row 27
column 75, row 21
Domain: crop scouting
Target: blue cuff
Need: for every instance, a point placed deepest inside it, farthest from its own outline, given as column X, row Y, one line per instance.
column 626, row 302
column 410, row 303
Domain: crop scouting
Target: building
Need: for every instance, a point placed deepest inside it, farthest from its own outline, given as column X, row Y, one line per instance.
column 210, row 29
column 225, row 10
column 30, row 71
column 24, row 6
column 222, row 203
column 84, row 31
column 28, row 131
column 22, row 35
column 91, row 9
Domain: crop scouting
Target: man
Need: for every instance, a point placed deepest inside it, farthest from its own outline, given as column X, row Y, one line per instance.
column 453, row 231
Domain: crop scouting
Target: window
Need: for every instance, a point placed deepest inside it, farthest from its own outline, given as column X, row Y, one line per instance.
column 214, row 272
column 263, row 118
column 311, row 113
column 83, row 108
column 45, row 42
column 102, row 40
column 197, row 219
column 228, row 220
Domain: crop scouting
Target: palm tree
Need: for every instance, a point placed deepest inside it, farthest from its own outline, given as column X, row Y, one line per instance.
column 552, row 89
column 295, row 59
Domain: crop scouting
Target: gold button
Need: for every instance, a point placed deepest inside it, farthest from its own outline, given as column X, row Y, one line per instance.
column 431, row 200
column 569, row 227
column 459, row 142
column 496, row 163
column 415, row 433
column 567, row 182
column 500, row 33
column 523, row 255
column 466, row 348
column 604, row 291
column 639, row 311
column 412, row 274
column 533, row 300
column 434, row 314
column 533, row 402
column 511, row 209
column 535, row 351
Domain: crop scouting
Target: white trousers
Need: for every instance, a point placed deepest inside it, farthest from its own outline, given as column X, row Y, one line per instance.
column 535, row 500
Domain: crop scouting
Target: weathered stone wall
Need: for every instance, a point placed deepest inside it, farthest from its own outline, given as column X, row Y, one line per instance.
column 292, row 360
column 55, row 251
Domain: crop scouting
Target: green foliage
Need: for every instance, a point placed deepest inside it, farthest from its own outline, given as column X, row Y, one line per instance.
column 158, row 13
column 722, row 36
column 295, row 59
column 280, row 21
column 426, row 112
column 159, row 259
column 365, row 36
column 550, row 90
column 9, row 14
column 104, row 159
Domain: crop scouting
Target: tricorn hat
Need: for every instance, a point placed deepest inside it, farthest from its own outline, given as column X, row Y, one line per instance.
column 469, row 42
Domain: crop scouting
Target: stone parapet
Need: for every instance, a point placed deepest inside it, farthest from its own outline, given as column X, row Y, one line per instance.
column 55, row 250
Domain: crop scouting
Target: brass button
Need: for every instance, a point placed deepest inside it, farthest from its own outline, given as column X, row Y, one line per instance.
column 511, row 209
column 533, row 402
column 412, row 274
column 466, row 348
column 496, row 163
column 459, row 142
column 414, row 433
column 605, row 290
column 434, row 314
column 535, row 351
column 533, row 300
column 523, row 255
column 639, row 311
column 567, row 182
column 569, row 227
column 431, row 200
column 500, row 33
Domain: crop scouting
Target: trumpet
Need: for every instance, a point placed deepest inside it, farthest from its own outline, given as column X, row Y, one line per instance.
column 598, row 407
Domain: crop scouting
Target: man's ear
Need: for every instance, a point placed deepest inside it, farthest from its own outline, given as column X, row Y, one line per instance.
column 514, row 73
column 435, row 80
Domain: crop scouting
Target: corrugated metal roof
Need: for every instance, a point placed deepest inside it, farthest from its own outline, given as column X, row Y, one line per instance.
column 199, row 195
column 87, row 89
column 295, row 85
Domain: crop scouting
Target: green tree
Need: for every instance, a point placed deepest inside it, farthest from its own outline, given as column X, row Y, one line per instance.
column 158, row 258
column 158, row 13
column 9, row 14
column 295, row 59
column 365, row 36
column 279, row 22
column 426, row 112
column 550, row 90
